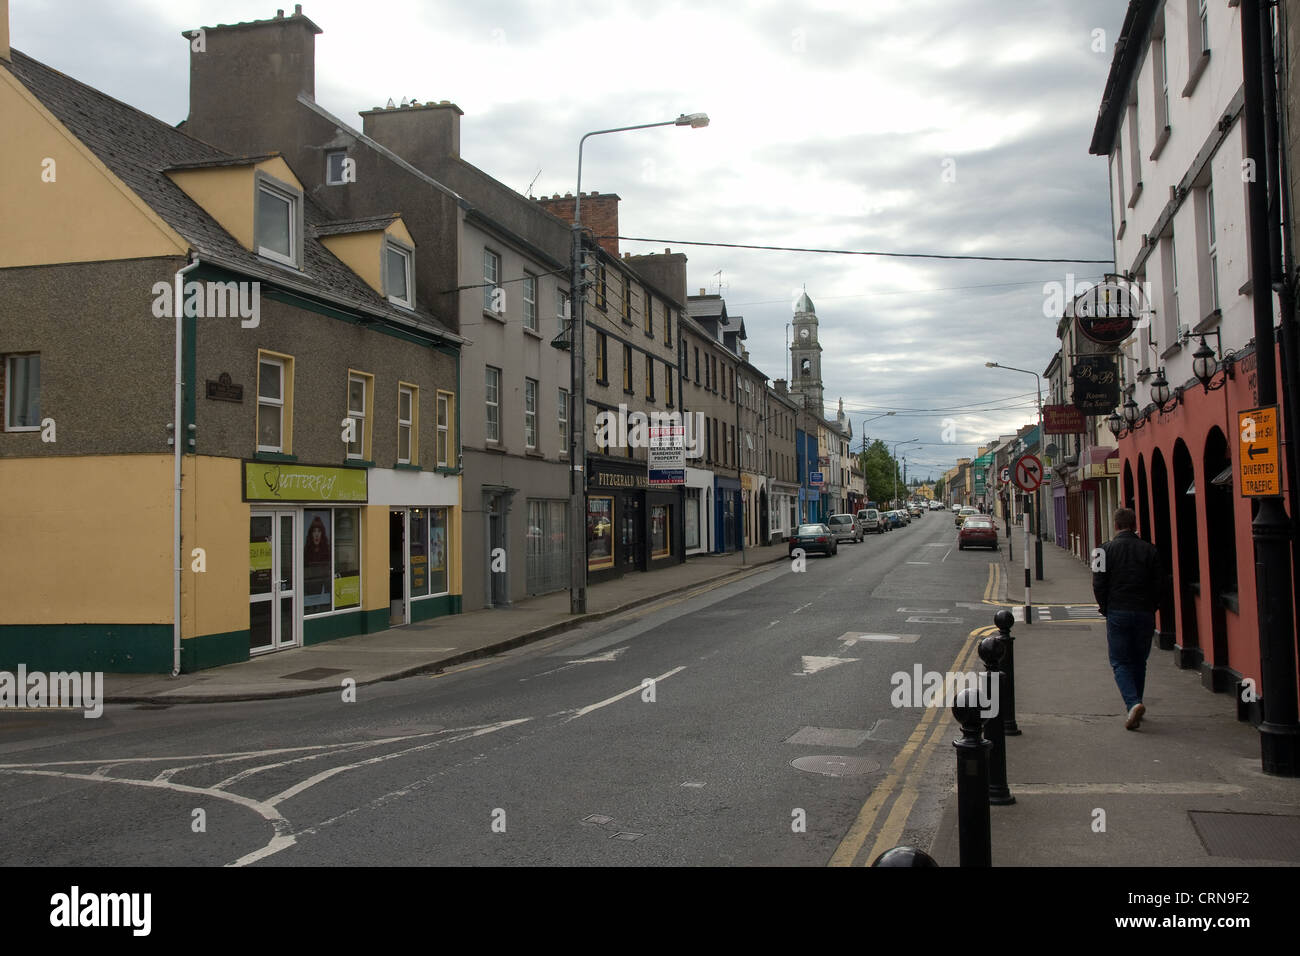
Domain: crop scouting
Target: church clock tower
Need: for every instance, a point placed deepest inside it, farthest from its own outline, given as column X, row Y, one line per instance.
column 806, row 358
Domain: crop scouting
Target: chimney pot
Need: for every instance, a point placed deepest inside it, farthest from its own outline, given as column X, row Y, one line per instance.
column 279, row 14
column 297, row 9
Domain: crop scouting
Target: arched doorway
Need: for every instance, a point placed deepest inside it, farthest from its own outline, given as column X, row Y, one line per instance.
column 1166, row 634
column 1187, row 570
column 1220, row 508
column 1128, row 484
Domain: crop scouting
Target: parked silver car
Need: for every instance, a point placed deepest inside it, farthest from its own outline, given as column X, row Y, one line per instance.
column 845, row 528
column 870, row 522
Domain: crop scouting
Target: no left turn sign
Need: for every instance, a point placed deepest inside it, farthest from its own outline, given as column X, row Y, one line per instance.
column 1028, row 473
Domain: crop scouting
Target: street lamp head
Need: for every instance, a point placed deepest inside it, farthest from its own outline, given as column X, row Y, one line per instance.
column 693, row 120
column 991, row 365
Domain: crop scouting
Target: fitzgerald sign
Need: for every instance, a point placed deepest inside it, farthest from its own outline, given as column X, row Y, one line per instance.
column 288, row 481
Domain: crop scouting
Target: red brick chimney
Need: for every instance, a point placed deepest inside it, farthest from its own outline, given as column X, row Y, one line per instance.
column 599, row 214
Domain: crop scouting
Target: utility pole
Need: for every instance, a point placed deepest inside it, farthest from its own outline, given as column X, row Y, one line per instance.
column 1279, row 732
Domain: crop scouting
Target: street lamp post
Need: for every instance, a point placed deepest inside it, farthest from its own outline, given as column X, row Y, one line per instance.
column 897, row 444
column 1038, row 495
column 578, row 380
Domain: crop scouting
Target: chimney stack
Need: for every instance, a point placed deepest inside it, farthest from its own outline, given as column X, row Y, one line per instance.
column 426, row 135
column 260, row 65
column 4, row 30
column 599, row 215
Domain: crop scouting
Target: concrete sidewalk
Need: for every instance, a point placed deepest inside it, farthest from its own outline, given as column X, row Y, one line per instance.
column 1186, row 789
column 428, row 645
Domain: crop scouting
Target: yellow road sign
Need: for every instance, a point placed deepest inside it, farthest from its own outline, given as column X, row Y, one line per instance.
column 1257, row 460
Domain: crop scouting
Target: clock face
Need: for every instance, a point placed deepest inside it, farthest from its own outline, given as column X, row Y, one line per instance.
column 803, row 333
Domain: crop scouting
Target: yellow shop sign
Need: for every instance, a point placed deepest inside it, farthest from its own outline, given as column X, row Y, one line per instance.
column 286, row 481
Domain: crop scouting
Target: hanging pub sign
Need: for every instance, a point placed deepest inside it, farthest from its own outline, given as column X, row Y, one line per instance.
column 1096, row 384
column 1106, row 313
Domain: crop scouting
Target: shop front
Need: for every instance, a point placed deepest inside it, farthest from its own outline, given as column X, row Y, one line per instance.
column 317, row 539
column 630, row 525
column 698, row 504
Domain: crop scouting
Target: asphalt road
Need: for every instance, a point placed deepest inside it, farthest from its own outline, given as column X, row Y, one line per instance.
column 742, row 724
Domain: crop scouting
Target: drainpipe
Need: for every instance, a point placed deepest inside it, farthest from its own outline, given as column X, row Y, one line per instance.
column 177, row 439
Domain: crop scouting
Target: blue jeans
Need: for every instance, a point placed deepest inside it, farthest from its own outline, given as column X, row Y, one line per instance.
column 1128, row 638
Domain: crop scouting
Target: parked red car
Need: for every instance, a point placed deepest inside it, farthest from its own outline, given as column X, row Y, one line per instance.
column 978, row 530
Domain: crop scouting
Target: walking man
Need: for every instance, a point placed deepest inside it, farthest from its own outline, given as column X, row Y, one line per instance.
column 1126, row 583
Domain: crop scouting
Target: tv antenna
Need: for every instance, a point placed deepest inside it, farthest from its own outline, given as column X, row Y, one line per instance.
column 529, row 190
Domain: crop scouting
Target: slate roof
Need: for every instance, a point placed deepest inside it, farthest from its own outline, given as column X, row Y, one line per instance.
column 137, row 148
column 345, row 226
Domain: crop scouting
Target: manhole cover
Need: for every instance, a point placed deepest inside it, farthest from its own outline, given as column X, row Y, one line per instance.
column 314, row 673
column 836, row 766
column 1249, row 836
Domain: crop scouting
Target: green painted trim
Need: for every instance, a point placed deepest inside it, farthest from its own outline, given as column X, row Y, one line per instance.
column 112, row 648
column 374, row 323
column 427, row 608
column 400, row 467
column 357, row 463
column 273, row 456
column 214, row 650
column 445, row 470
column 318, row 630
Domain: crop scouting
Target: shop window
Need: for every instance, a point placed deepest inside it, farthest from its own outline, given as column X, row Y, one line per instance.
column 600, row 532
column 419, row 552
column 660, row 530
column 22, row 391
column 331, row 560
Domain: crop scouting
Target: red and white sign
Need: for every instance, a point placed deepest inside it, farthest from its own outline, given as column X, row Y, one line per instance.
column 1028, row 473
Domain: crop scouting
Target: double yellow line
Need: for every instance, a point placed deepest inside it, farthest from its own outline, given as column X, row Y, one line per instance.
column 917, row 752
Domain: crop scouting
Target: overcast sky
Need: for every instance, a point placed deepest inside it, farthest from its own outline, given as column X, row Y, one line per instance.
column 833, row 125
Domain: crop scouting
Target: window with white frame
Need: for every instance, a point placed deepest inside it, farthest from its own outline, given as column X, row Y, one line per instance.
column 492, row 396
column 270, row 404
column 335, row 167
column 398, row 272
column 530, row 301
column 562, row 307
column 22, row 389
column 278, row 219
column 407, row 432
column 1169, row 264
column 1203, row 19
column 491, row 279
column 359, row 385
column 444, row 400
column 562, row 412
column 1212, row 245
column 530, row 413
column 1162, row 81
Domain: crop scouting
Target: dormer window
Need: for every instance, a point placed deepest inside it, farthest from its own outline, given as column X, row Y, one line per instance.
column 399, row 286
column 278, row 224
column 336, row 167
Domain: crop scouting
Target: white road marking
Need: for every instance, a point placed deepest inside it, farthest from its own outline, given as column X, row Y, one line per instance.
column 918, row 562
column 798, row 609
column 945, row 556
column 773, row 624
column 811, row 665
column 584, row 711
column 597, row 658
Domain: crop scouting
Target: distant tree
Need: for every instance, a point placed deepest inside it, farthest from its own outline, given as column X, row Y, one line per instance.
column 938, row 490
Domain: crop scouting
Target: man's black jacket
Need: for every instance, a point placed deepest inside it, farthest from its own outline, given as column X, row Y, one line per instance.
column 1130, row 580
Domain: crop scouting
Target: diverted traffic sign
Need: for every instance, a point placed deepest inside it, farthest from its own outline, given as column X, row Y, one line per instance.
column 1257, row 458
column 1028, row 473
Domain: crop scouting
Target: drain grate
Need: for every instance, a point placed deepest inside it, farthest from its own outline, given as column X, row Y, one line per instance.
column 836, row 766
column 314, row 673
column 1248, row 836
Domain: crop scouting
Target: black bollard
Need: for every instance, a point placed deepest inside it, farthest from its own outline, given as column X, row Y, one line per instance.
column 990, row 650
column 905, row 856
column 1003, row 620
column 974, row 832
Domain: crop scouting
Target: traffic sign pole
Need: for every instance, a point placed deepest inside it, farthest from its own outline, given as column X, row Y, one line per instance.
column 1028, row 475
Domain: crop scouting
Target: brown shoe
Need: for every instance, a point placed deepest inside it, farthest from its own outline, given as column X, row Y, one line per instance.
column 1135, row 716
